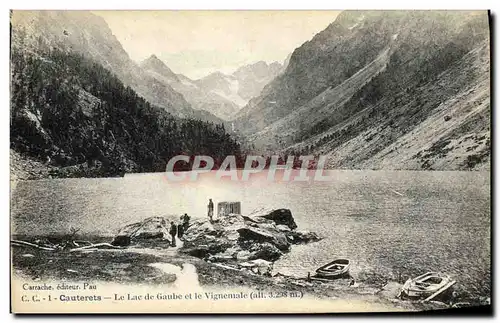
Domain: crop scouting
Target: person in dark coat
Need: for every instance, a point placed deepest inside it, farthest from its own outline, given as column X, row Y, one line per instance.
column 180, row 231
column 173, row 232
column 185, row 221
column 210, row 210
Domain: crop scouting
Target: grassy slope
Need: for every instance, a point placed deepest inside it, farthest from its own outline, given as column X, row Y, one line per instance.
column 383, row 141
column 372, row 118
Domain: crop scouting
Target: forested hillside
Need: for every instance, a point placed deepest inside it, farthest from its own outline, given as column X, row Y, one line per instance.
column 78, row 118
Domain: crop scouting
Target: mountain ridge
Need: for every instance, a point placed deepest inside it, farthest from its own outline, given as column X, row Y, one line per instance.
column 327, row 95
column 72, row 115
column 200, row 100
column 63, row 30
column 153, row 63
column 244, row 83
column 373, row 90
column 218, row 93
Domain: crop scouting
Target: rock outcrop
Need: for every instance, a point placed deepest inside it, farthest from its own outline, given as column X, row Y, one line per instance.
column 250, row 242
column 150, row 228
column 235, row 238
column 277, row 216
column 264, row 234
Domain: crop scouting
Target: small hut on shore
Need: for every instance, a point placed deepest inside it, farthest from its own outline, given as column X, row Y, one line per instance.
column 225, row 208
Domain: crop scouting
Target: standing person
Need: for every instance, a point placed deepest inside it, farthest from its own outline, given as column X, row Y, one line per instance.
column 173, row 232
column 185, row 221
column 180, row 231
column 210, row 210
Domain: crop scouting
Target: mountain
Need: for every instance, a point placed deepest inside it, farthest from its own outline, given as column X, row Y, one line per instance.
column 201, row 100
column 220, row 94
column 242, row 85
column 88, row 34
column 226, row 86
column 73, row 117
column 158, row 69
column 252, row 78
column 382, row 90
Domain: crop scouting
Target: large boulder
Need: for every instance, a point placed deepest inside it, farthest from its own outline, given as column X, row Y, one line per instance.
column 205, row 245
column 264, row 235
column 260, row 235
column 278, row 216
column 255, row 220
column 230, row 222
column 150, row 228
column 228, row 227
column 199, row 229
column 264, row 251
column 200, row 226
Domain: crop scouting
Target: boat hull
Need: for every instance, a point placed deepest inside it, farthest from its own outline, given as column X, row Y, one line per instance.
column 424, row 285
column 335, row 269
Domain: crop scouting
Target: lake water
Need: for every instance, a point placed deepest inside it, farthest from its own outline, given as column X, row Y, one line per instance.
column 389, row 223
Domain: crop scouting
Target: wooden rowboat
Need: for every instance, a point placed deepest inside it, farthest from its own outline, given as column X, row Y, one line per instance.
column 334, row 269
column 426, row 285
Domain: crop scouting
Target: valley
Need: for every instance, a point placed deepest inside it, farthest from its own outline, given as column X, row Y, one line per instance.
column 374, row 90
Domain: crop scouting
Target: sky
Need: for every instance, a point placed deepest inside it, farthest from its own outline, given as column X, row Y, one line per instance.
column 197, row 43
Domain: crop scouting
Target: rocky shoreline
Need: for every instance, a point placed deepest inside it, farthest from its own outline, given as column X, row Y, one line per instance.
column 249, row 245
column 23, row 167
column 246, row 242
column 236, row 241
column 228, row 253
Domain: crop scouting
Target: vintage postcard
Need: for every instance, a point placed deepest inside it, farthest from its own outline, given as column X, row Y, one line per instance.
column 250, row 161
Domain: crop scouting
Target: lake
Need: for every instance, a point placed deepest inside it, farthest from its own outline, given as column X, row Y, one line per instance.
column 389, row 223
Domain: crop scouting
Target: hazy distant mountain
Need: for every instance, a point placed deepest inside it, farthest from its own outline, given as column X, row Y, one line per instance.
column 252, row 78
column 218, row 93
column 226, row 86
column 88, row 34
column 199, row 98
column 393, row 90
column 244, row 84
